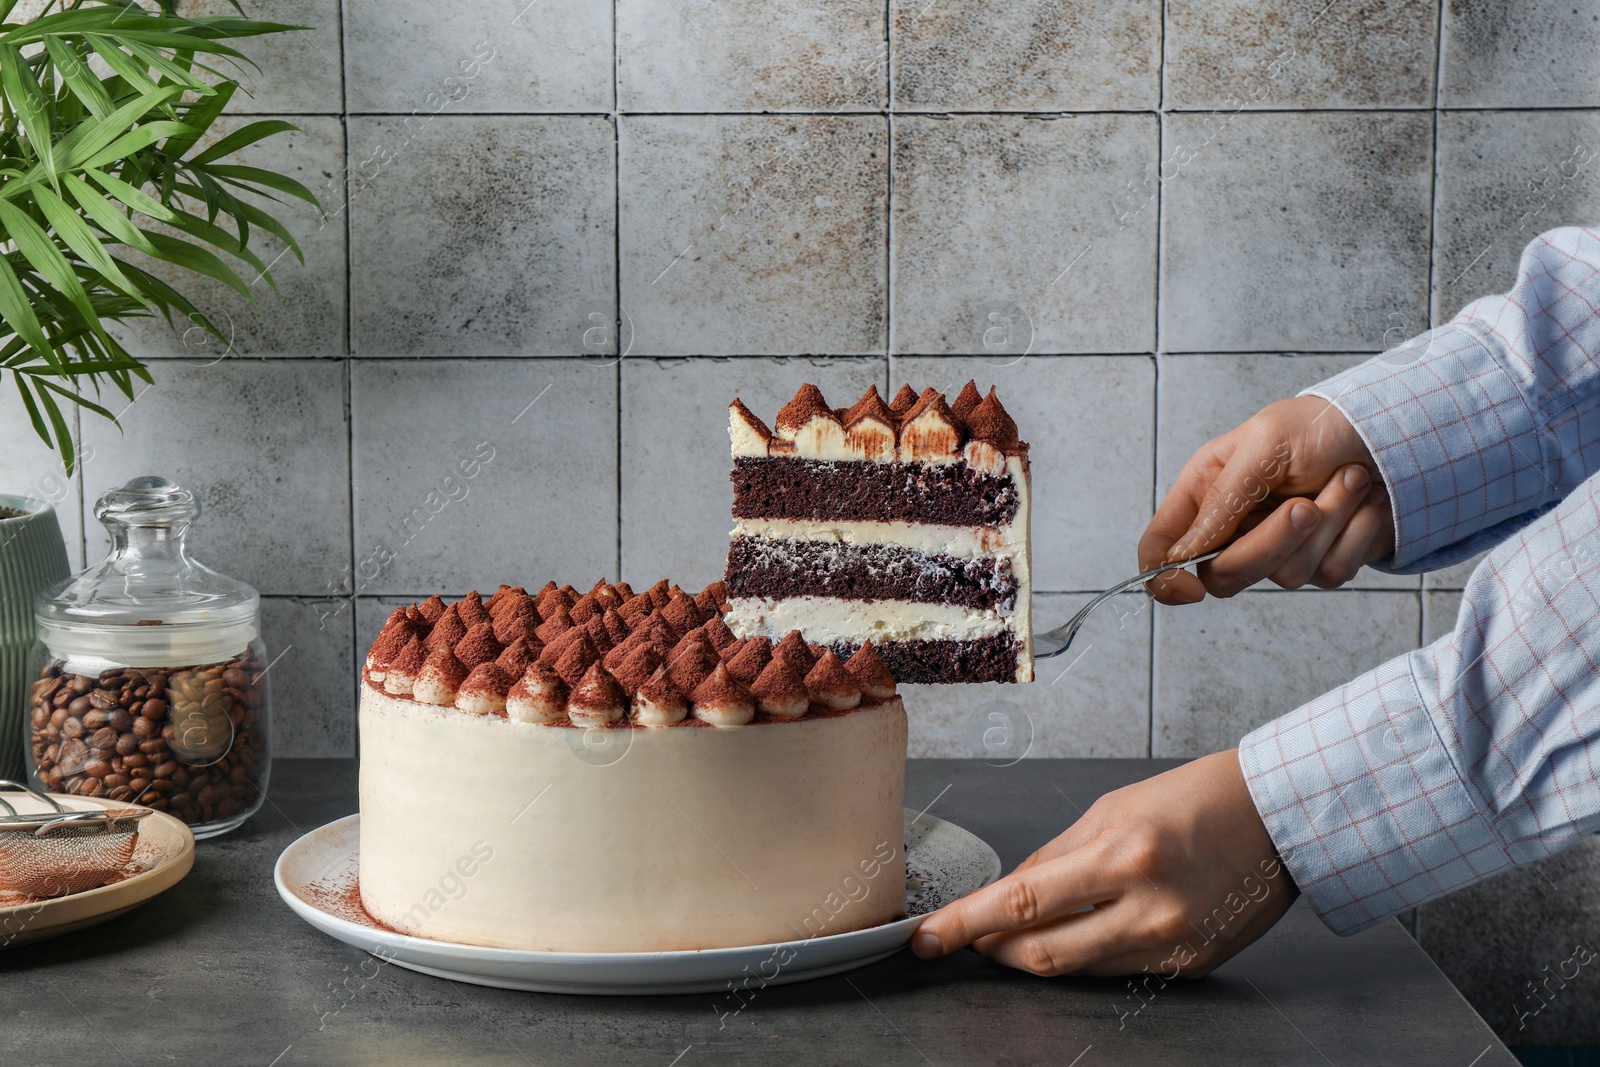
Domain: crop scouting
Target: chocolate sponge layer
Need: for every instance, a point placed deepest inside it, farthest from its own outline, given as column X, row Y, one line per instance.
column 950, row 495
column 984, row 659
column 774, row 568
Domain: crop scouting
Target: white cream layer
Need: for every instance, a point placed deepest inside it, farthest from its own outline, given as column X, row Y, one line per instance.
column 825, row 620
column 487, row 831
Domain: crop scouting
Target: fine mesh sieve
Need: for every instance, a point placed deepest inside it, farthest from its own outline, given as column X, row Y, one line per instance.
column 55, row 852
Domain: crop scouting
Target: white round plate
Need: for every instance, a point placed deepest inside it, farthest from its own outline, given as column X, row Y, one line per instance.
column 317, row 878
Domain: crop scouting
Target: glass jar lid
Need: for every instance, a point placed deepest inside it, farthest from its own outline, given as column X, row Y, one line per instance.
column 148, row 603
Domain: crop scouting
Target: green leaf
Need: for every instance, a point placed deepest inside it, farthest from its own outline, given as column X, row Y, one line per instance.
column 201, row 115
column 78, row 398
column 39, row 425
column 79, row 78
column 103, row 212
column 256, row 217
column 71, row 228
column 186, row 255
column 88, row 138
column 195, row 226
column 245, row 135
column 58, row 422
column 28, row 100
column 17, row 310
column 140, row 137
column 183, row 42
column 137, row 199
column 37, row 248
column 137, row 76
column 176, row 73
column 245, row 177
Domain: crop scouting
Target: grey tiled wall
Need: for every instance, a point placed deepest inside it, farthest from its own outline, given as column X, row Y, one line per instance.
column 567, row 232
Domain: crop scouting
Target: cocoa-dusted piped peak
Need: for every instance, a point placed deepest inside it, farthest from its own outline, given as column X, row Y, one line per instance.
column 991, row 423
column 397, row 633
column 922, row 428
column 478, row 645
column 656, row 657
column 722, row 701
column 748, row 433
column 539, row 696
column 484, row 690
column 440, row 678
column 808, row 404
column 659, row 702
column 870, row 673
column 596, row 699
column 432, row 608
column 780, row 692
column 930, row 430
column 965, row 401
column 447, row 630
column 831, row 685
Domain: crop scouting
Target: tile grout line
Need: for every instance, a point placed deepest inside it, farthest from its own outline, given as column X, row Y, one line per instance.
column 1410, row 109
column 1153, row 673
column 349, row 379
column 1433, row 245
column 83, row 510
column 888, row 193
column 616, row 253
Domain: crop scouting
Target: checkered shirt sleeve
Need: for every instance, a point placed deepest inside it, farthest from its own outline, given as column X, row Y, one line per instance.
column 1482, row 424
column 1480, row 751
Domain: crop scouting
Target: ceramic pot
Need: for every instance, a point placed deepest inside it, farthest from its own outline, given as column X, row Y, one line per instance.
column 32, row 556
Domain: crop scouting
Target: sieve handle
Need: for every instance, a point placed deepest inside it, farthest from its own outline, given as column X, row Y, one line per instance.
column 6, row 783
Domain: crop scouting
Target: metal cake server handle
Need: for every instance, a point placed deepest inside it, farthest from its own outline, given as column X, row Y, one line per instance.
column 1056, row 641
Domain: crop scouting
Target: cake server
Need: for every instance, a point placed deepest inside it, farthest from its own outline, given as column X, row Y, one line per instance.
column 1055, row 642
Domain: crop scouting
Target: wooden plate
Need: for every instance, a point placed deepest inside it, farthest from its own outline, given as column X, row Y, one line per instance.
column 162, row 856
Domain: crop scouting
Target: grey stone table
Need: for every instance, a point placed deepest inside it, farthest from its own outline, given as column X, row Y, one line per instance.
column 219, row 971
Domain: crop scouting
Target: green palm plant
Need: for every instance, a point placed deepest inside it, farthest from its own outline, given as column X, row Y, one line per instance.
column 103, row 108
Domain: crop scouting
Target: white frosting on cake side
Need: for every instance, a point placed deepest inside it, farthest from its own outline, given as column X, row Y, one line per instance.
column 484, row 830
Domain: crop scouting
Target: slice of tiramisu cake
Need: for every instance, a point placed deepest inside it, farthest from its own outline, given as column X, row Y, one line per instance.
column 904, row 524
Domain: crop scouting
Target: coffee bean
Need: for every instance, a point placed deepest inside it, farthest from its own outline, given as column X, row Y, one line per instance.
column 111, row 734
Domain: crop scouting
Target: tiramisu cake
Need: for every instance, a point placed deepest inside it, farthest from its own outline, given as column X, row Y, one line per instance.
column 902, row 524
column 617, row 771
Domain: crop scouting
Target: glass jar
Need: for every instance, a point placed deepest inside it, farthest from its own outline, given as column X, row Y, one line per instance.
column 151, row 682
